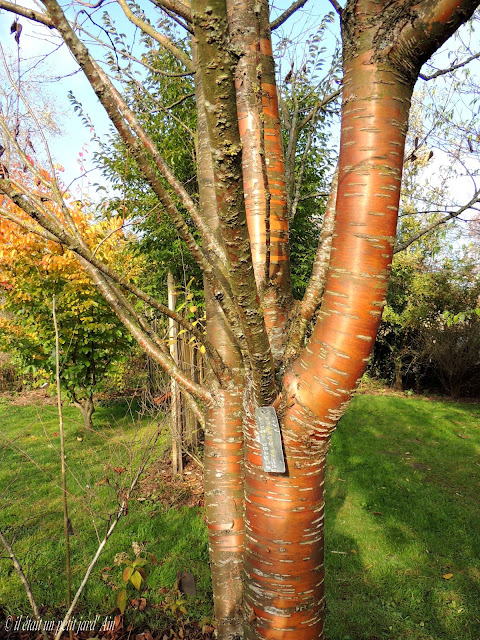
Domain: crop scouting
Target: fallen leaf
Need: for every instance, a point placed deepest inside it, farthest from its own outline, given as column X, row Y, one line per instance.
column 186, row 583
column 460, row 435
column 447, row 576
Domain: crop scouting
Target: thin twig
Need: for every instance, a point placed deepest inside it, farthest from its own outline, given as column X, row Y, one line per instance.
column 62, row 457
column 25, row 583
column 437, row 223
column 102, row 544
column 442, row 72
column 286, row 14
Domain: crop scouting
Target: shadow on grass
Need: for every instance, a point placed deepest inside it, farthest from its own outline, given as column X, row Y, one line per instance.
column 402, row 510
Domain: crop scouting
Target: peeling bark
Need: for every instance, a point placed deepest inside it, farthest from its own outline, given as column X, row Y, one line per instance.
column 262, row 163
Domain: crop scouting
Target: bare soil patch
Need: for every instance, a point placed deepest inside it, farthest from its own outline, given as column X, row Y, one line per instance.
column 28, row 397
column 159, row 485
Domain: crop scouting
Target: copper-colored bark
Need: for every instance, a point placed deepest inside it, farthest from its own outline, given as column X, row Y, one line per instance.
column 284, row 515
column 262, row 162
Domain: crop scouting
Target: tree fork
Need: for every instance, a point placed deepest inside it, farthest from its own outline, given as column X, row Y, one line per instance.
column 215, row 65
column 284, row 529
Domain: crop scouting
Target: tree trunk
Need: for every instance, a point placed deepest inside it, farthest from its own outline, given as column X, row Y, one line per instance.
column 284, row 589
column 223, row 458
column 398, row 382
column 87, row 409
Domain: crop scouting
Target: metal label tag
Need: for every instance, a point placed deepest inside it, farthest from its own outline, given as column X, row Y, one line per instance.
column 270, row 440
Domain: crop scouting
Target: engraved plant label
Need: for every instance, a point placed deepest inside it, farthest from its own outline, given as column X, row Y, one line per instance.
column 270, row 440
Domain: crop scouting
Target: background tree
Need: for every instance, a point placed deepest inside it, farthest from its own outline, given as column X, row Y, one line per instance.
column 92, row 339
column 417, row 344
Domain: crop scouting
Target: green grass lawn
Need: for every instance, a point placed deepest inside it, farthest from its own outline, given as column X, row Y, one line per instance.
column 99, row 467
column 403, row 504
column 402, row 512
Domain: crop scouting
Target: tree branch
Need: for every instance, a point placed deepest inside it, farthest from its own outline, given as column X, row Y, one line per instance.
column 27, row 13
column 175, row 6
column 286, row 14
column 442, row 72
column 126, row 54
column 125, row 121
column 144, row 335
column 430, row 23
column 156, row 35
column 56, row 234
column 437, row 223
column 178, row 20
column 179, row 101
column 337, row 7
column 25, row 583
column 102, row 544
column 318, row 107
column 216, row 68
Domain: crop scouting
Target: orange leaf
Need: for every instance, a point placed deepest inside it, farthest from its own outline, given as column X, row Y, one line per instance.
column 447, row 576
column 127, row 574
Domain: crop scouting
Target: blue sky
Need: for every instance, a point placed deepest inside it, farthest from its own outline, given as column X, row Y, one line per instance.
column 58, row 72
column 73, row 146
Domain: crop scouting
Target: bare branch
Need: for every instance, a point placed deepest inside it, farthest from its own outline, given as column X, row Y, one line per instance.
column 156, row 35
column 320, row 105
column 442, row 72
column 287, row 13
column 91, row 5
column 179, row 101
column 336, row 5
column 449, row 216
column 125, row 121
column 25, row 583
column 126, row 54
column 27, row 13
column 177, row 7
column 317, row 194
column 102, row 544
column 179, row 21
column 143, row 334
column 54, row 232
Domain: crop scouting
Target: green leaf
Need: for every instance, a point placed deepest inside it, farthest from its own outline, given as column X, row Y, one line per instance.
column 139, row 562
column 122, row 600
column 136, row 580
